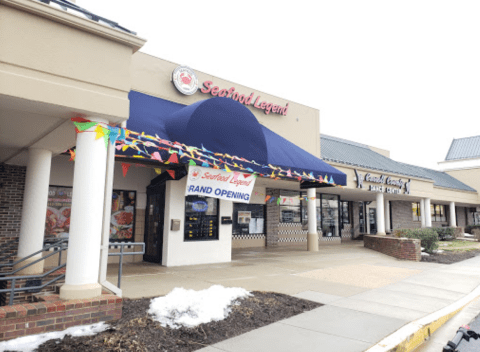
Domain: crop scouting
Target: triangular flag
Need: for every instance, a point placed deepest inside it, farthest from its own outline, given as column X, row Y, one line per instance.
column 246, row 175
column 204, row 164
column 173, row 158
column 125, row 168
column 227, row 169
column 99, row 131
column 106, row 135
column 326, row 179
column 82, row 126
column 171, row 173
column 289, row 173
column 272, row 199
column 331, row 180
column 278, row 201
column 284, row 199
column 72, row 155
column 79, row 119
column 113, row 134
column 118, row 147
column 267, row 198
column 192, row 163
column 320, row 178
column 273, row 174
column 124, row 147
column 156, row 156
column 158, row 171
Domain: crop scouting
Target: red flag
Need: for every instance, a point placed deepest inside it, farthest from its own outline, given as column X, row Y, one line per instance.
column 79, row 119
column 173, row 158
column 267, row 198
column 125, row 168
column 247, row 175
column 171, row 173
column 72, row 155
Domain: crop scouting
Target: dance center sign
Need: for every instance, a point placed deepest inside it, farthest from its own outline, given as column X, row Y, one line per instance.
column 234, row 186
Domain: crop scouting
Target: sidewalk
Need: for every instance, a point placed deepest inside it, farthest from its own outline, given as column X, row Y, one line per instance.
column 359, row 321
column 367, row 295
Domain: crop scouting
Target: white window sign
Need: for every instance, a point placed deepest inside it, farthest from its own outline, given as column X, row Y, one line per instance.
column 234, row 186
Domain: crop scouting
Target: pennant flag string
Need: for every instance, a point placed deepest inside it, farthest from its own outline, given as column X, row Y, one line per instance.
column 139, row 142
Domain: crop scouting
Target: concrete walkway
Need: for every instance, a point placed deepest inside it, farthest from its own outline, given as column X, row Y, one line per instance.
column 367, row 295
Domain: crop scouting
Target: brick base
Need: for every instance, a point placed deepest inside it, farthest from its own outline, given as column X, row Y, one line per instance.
column 54, row 314
column 401, row 248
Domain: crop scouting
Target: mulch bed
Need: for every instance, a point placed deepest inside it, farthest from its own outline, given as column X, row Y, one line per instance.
column 138, row 333
column 448, row 257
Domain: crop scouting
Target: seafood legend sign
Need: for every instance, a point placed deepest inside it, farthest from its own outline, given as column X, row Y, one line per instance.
column 234, row 186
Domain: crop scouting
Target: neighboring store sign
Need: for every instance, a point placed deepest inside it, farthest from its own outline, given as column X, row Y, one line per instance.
column 387, row 180
column 185, row 80
column 234, row 186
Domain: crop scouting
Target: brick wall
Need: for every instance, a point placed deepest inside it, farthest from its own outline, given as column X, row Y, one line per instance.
column 401, row 248
column 54, row 314
column 12, row 185
column 402, row 216
column 273, row 219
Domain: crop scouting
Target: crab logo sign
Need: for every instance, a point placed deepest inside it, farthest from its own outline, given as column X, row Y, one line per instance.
column 185, row 80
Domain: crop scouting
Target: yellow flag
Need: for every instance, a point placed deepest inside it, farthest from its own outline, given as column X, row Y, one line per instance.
column 99, row 131
column 124, row 147
column 158, row 171
column 227, row 169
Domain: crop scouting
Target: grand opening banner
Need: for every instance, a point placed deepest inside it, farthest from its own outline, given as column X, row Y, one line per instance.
column 234, row 186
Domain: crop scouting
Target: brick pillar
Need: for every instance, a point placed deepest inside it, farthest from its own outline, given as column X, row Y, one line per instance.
column 12, row 185
column 356, row 219
column 273, row 218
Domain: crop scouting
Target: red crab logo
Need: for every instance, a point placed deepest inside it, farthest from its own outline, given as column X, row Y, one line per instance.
column 186, row 78
column 195, row 174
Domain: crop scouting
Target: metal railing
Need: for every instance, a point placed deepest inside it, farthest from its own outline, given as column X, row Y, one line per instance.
column 58, row 247
column 122, row 253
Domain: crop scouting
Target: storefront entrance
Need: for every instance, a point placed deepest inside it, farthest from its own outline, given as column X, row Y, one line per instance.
column 372, row 215
column 154, row 220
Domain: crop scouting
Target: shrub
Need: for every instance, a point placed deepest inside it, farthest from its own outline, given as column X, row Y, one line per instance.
column 444, row 232
column 469, row 228
column 427, row 236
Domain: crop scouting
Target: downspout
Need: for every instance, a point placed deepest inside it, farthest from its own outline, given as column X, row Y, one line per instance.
column 107, row 211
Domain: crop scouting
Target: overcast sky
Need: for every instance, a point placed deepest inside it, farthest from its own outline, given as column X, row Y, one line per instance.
column 399, row 75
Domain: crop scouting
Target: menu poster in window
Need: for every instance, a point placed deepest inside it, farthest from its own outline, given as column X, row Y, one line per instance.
column 57, row 222
column 244, row 217
column 122, row 223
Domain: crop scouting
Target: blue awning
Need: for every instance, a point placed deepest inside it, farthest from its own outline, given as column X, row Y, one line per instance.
column 225, row 126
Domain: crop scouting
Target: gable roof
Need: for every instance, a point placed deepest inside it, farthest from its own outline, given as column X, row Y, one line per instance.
column 356, row 154
column 464, row 148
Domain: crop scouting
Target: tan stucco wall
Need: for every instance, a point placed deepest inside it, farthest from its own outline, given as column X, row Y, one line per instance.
column 470, row 177
column 152, row 76
column 52, row 57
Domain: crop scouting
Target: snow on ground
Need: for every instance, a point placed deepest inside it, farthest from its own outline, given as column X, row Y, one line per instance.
column 190, row 308
column 425, row 254
column 468, row 235
column 30, row 343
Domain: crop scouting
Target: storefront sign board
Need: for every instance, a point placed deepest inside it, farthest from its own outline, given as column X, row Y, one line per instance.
column 233, row 186
column 393, row 186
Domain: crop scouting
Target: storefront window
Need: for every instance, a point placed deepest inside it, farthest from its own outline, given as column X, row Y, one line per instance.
column 416, row 212
column 248, row 219
column 438, row 212
column 201, row 218
column 330, row 215
column 345, row 206
column 290, row 207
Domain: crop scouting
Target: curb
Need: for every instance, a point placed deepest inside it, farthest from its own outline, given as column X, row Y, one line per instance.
column 412, row 335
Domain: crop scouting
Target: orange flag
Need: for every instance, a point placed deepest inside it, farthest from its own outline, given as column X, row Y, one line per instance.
column 267, row 198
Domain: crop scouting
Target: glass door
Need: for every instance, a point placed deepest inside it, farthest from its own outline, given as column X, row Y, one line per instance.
column 372, row 214
column 362, row 222
column 154, row 223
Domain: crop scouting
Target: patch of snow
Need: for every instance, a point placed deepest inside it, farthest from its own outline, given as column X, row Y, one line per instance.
column 468, row 235
column 190, row 308
column 30, row 343
column 439, row 251
column 425, row 254
column 422, row 249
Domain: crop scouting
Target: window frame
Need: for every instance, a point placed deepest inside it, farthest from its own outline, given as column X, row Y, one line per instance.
column 216, row 236
column 418, row 215
column 300, row 207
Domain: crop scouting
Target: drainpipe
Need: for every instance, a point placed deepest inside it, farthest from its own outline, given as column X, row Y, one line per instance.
column 107, row 211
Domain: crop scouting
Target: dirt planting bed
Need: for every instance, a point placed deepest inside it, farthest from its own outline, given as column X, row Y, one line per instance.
column 137, row 332
column 450, row 257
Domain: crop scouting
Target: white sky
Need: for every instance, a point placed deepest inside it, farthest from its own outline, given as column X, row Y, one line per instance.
column 399, row 75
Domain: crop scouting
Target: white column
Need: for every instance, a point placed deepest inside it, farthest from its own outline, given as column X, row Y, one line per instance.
column 428, row 213
column 453, row 220
column 380, row 215
column 422, row 212
column 83, row 259
column 387, row 215
column 34, row 209
column 312, row 236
